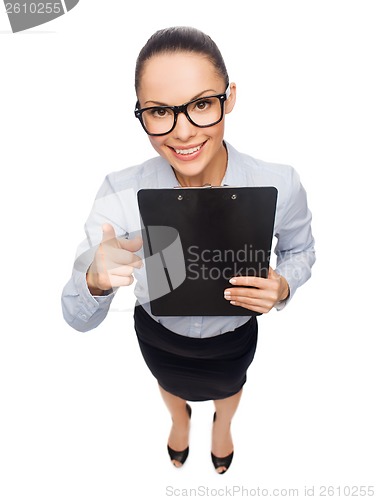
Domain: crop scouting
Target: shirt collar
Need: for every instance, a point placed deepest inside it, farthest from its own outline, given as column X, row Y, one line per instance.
column 234, row 173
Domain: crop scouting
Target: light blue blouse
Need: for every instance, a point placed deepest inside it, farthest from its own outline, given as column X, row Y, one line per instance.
column 116, row 203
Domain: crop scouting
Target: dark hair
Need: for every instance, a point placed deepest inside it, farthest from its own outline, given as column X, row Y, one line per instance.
column 180, row 39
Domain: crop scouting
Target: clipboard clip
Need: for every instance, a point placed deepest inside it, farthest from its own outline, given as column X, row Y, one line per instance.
column 205, row 186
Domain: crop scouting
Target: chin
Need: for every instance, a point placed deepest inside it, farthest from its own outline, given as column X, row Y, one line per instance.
column 190, row 168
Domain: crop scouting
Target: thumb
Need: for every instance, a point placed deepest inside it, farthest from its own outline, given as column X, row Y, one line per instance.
column 108, row 232
column 272, row 274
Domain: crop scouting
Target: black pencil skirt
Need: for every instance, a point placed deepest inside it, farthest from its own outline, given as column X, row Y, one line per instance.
column 196, row 369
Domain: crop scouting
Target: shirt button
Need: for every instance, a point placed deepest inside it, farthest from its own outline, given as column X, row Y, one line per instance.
column 83, row 316
column 197, row 325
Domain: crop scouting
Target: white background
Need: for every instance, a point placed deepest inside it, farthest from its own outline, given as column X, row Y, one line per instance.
column 81, row 417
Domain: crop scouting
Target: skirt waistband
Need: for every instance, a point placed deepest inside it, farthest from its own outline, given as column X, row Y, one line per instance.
column 227, row 345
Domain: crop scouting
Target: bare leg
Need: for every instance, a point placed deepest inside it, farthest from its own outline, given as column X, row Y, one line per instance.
column 222, row 444
column 179, row 435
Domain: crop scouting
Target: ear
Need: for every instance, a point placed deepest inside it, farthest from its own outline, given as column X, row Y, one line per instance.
column 230, row 102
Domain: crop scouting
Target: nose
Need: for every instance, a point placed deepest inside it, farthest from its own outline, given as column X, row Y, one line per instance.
column 184, row 129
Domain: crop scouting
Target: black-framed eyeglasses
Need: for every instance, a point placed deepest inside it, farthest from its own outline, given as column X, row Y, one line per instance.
column 202, row 112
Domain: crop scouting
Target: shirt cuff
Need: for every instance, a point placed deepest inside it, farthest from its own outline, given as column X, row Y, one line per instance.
column 283, row 303
column 89, row 304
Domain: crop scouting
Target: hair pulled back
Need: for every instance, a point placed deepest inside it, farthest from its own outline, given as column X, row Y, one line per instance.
column 180, row 39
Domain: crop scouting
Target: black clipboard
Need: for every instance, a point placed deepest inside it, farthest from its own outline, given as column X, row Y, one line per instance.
column 196, row 239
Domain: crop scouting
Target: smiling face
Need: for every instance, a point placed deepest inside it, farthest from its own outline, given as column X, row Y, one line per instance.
column 197, row 155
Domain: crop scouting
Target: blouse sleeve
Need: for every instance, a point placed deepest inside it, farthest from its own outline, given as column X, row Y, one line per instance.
column 295, row 246
column 81, row 310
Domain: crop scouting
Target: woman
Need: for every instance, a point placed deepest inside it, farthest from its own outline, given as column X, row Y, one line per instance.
column 183, row 94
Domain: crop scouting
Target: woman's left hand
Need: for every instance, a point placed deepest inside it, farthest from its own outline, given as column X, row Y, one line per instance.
column 258, row 294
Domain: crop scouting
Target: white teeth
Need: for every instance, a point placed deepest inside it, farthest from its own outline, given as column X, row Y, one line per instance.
column 188, row 151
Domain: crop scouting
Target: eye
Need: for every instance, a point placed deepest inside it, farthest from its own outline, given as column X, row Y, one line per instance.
column 203, row 105
column 159, row 112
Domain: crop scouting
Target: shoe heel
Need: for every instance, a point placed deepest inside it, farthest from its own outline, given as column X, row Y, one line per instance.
column 180, row 456
column 221, row 461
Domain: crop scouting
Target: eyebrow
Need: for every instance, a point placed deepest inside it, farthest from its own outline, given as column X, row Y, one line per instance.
column 157, row 103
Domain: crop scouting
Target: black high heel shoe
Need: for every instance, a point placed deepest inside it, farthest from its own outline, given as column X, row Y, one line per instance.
column 221, row 461
column 180, row 456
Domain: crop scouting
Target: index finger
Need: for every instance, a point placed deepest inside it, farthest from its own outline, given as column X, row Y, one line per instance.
column 132, row 245
column 122, row 257
column 254, row 281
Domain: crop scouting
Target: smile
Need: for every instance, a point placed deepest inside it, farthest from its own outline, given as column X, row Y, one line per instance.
column 188, row 151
